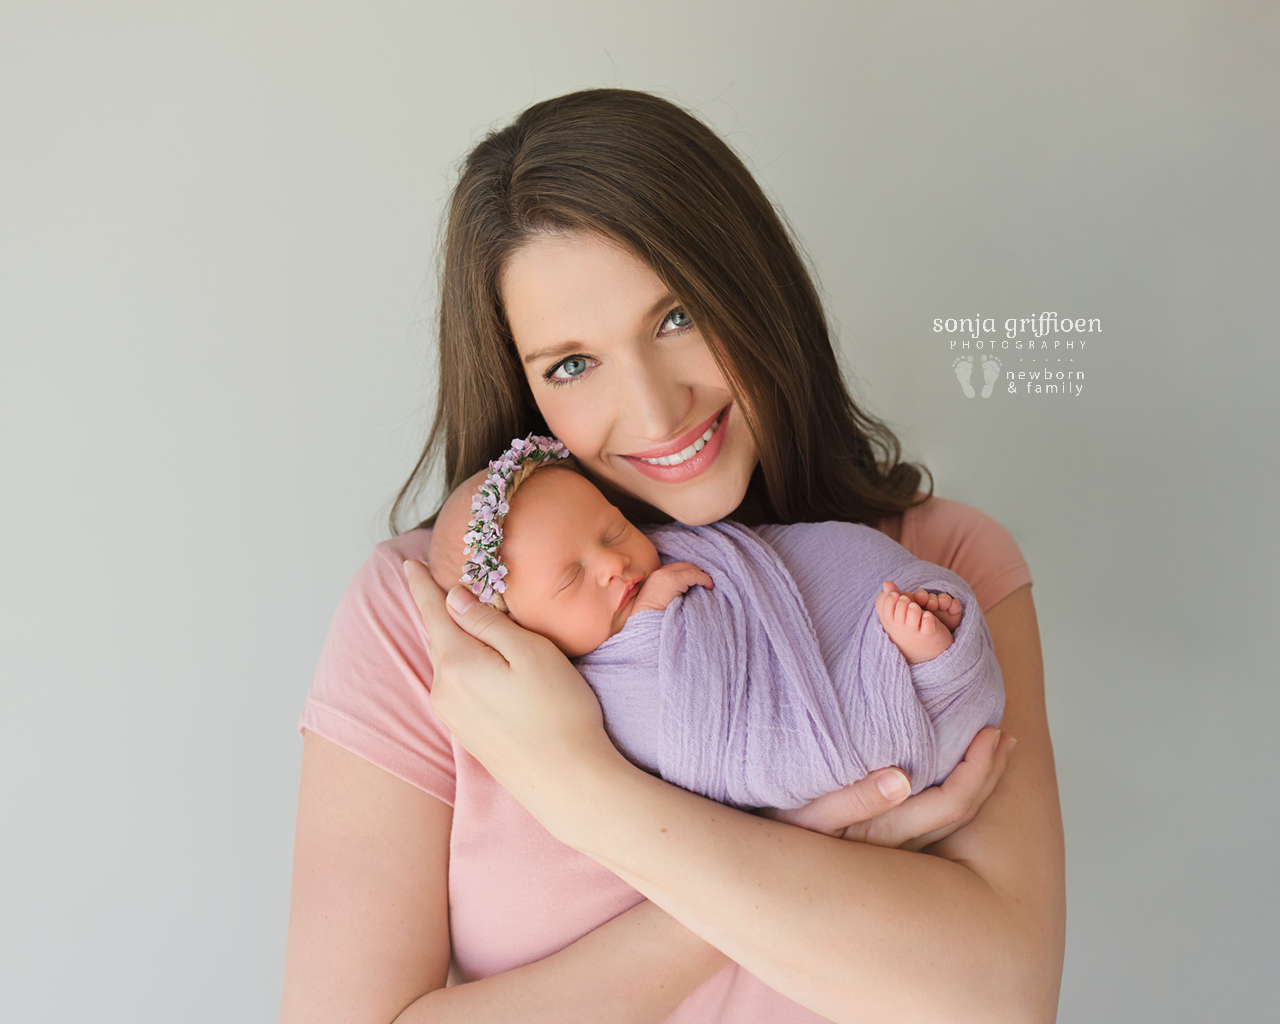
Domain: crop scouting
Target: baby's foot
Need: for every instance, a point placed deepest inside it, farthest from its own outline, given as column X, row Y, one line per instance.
column 946, row 607
column 964, row 370
column 917, row 631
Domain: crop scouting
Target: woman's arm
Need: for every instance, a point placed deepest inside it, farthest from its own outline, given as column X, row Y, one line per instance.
column 368, row 922
column 853, row 931
column 368, row 911
column 368, row 855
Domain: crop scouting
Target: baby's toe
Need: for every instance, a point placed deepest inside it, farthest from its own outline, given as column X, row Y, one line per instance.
column 902, row 608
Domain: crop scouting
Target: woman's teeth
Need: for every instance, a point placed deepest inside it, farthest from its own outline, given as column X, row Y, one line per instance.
column 687, row 453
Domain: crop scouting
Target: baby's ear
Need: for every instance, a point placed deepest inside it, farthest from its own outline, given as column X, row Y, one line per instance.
column 443, row 580
column 444, row 570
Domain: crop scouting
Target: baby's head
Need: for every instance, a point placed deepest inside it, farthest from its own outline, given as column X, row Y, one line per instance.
column 575, row 564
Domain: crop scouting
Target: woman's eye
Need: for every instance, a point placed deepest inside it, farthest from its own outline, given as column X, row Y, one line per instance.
column 675, row 321
column 568, row 369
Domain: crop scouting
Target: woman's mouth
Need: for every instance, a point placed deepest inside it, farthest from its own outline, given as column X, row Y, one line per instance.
column 688, row 455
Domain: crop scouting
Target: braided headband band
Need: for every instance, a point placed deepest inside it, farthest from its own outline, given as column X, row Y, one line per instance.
column 483, row 571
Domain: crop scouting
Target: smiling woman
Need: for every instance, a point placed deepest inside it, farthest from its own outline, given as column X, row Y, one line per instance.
column 612, row 274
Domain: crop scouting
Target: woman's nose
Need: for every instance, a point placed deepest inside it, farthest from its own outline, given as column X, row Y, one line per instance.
column 656, row 405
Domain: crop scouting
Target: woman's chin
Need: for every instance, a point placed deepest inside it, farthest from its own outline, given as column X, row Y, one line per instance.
column 716, row 498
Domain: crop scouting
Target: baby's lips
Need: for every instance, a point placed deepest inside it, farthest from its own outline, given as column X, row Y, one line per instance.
column 632, row 589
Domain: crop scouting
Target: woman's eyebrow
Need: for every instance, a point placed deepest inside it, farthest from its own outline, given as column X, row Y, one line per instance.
column 660, row 306
column 565, row 348
column 568, row 348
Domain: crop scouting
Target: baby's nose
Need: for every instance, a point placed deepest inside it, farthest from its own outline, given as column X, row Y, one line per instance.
column 613, row 565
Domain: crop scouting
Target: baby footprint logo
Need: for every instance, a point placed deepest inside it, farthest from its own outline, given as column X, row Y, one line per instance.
column 990, row 374
column 964, row 370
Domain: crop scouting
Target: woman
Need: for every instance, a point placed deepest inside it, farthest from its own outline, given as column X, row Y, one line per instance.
column 613, row 275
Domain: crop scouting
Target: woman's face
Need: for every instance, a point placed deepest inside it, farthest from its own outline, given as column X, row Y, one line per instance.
column 624, row 377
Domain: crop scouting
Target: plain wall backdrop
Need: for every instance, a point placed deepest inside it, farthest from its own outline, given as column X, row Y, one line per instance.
column 217, row 224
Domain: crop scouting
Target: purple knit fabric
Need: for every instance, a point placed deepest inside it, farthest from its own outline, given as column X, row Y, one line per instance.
column 780, row 684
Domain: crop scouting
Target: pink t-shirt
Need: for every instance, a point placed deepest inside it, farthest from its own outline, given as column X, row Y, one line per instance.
column 517, row 895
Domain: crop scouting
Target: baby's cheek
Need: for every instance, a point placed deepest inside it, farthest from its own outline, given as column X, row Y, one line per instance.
column 611, row 627
column 531, row 616
column 583, row 634
column 575, row 629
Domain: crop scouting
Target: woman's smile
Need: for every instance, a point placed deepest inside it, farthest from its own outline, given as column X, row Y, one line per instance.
column 691, row 454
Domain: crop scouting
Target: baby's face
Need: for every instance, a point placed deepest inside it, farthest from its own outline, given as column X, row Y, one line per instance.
column 576, row 565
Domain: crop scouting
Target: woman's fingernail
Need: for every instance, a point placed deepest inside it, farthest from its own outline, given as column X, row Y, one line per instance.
column 995, row 743
column 893, row 786
column 460, row 599
column 1013, row 742
column 407, row 562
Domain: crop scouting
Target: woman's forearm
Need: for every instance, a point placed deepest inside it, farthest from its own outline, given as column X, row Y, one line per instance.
column 635, row 969
column 851, row 931
column 972, row 930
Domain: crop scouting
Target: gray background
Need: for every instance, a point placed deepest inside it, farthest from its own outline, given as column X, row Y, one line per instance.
column 215, row 301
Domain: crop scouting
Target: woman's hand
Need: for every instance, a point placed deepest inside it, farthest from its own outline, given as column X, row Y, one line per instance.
column 509, row 696
column 876, row 809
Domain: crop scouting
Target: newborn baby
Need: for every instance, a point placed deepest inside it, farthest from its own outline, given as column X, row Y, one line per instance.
column 759, row 668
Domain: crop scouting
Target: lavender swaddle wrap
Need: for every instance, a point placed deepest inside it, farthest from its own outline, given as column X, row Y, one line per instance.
column 780, row 684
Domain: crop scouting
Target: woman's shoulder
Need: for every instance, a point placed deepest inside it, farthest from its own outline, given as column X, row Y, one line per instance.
column 970, row 543
column 371, row 690
column 412, row 544
column 378, row 588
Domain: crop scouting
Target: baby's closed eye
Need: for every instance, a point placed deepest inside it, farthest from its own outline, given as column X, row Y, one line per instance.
column 571, row 576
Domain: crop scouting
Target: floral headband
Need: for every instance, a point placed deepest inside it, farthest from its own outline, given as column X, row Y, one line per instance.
column 483, row 571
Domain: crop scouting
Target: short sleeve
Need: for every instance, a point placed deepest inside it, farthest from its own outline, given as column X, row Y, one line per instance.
column 370, row 692
column 968, row 542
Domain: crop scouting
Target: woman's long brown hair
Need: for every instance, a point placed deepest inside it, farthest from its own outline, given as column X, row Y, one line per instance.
column 650, row 176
